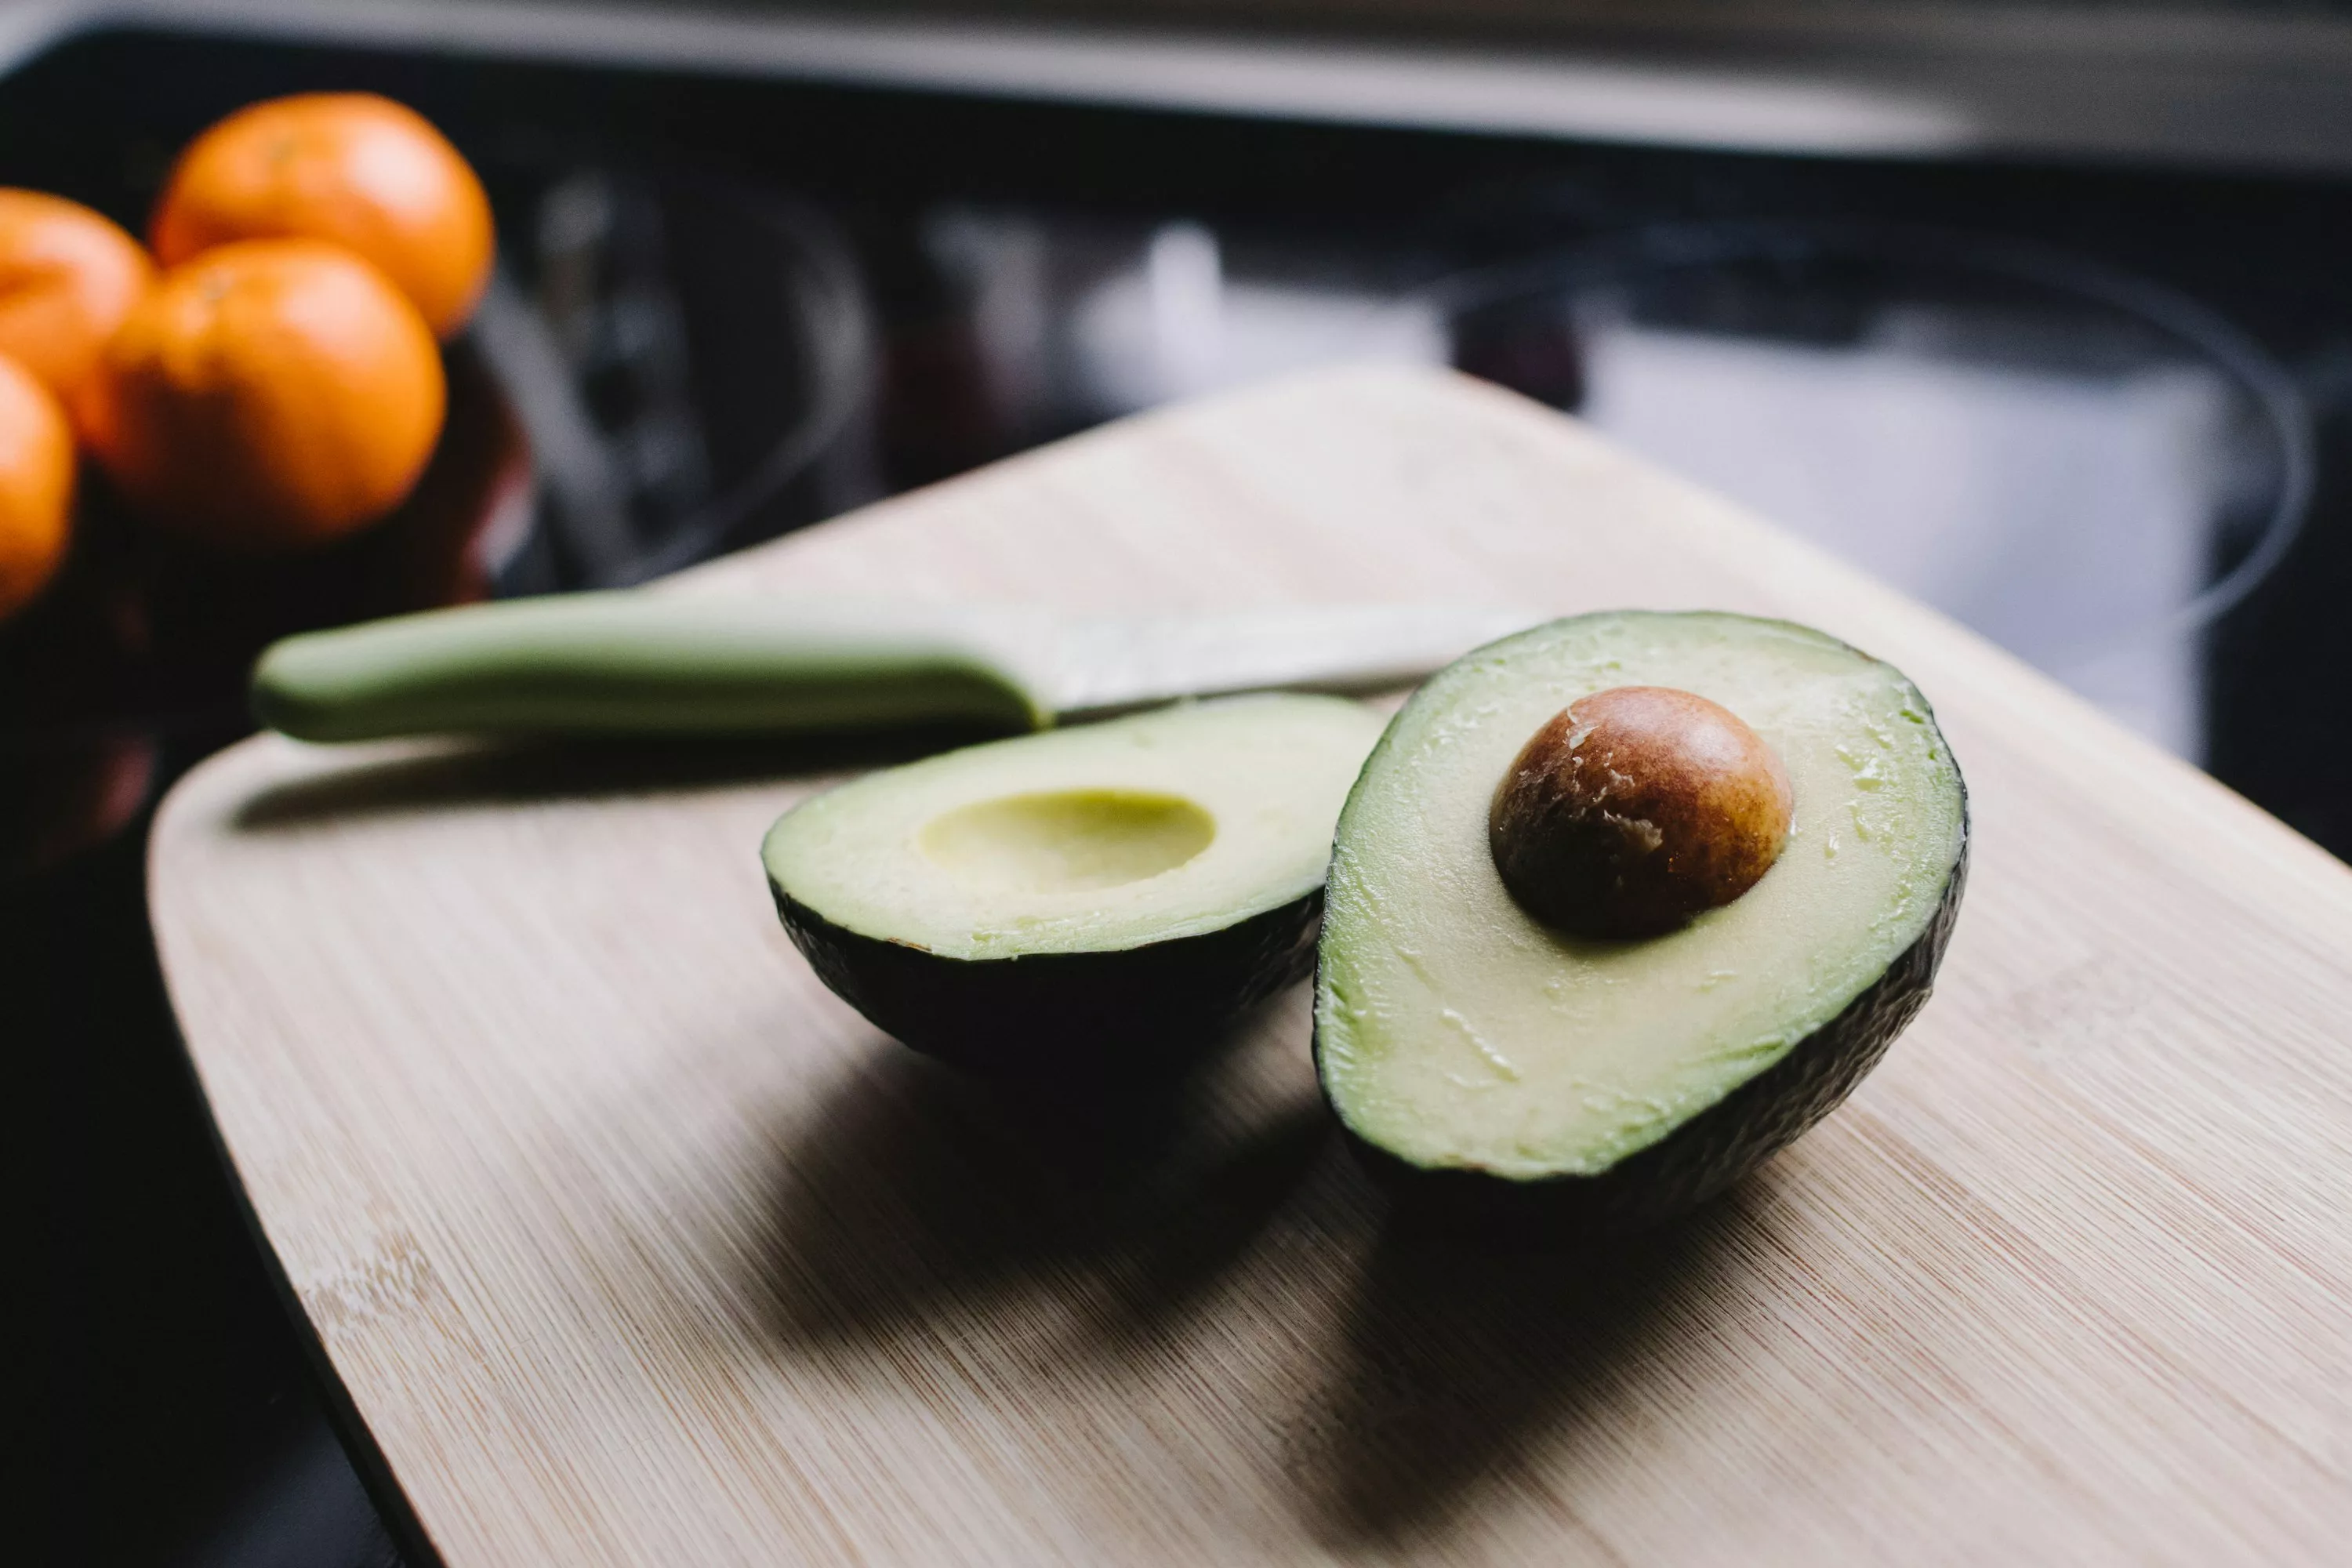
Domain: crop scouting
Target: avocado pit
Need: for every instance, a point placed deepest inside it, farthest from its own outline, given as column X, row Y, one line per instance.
column 1634, row 809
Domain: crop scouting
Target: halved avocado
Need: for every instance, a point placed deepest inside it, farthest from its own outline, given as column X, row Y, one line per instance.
column 1474, row 1053
column 1093, row 904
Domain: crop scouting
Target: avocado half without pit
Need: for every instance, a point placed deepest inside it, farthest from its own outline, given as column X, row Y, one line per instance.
column 1623, row 905
column 1093, row 905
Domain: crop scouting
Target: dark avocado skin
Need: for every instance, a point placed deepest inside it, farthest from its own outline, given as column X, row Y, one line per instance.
column 1713, row 1148
column 1082, row 1020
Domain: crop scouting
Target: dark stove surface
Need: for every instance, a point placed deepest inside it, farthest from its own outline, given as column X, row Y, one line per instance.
column 731, row 306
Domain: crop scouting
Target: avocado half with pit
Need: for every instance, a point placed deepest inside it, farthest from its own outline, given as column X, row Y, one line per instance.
column 1608, row 1065
column 1094, row 905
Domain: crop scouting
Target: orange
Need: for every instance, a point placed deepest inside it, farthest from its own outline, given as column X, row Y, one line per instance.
column 351, row 167
column 269, row 394
column 68, row 277
column 37, row 482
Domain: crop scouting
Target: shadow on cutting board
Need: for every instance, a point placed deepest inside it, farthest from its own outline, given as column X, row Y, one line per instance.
column 1461, row 1363
column 915, row 1208
column 465, row 773
column 917, row 1197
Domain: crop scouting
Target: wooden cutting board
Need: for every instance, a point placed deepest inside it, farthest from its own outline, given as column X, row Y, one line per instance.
column 633, row 1245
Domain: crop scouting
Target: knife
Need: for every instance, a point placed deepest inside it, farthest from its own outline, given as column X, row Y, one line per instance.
column 629, row 662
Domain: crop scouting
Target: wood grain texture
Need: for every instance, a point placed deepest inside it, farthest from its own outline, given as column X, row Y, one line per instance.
column 633, row 1245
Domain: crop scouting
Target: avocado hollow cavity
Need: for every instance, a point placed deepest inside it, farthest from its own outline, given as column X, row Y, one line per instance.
column 1093, row 904
column 1066, row 840
column 1586, row 1081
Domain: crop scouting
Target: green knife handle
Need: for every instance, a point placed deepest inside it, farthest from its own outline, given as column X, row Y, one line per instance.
column 633, row 663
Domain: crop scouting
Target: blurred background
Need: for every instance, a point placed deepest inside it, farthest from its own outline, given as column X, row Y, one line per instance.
column 2041, row 313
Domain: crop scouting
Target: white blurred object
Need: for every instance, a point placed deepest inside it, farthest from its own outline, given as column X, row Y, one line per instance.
column 2058, row 512
column 1177, row 326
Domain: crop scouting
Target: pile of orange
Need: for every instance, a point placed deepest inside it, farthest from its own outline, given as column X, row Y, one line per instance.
column 277, row 382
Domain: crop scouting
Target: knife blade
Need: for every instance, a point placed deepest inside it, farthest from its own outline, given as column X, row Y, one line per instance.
column 629, row 662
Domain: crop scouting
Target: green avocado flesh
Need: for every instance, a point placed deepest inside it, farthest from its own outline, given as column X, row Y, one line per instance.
column 1454, row 1033
column 1112, row 835
column 1117, row 889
